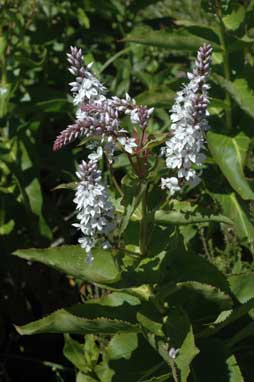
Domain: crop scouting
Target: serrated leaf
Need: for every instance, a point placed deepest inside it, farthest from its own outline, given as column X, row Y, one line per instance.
column 230, row 154
column 188, row 352
column 235, row 374
column 239, row 91
column 71, row 259
column 80, row 319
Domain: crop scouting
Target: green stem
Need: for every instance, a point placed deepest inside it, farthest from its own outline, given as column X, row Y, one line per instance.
column 226, row 67
column 117, row 186
column 112, row 59
column 143, row 224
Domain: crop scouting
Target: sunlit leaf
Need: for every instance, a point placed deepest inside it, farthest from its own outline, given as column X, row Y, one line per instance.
column 230, row 154
column 71, row 259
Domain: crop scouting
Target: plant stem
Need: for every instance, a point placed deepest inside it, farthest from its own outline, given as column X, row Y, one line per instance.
column 226, row 66
column 143, row 224
column 117, row 186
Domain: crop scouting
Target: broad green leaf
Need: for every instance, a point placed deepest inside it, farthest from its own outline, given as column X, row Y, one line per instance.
column 122, row 345
column 81, row 319
column 239, row 91
column 230, row 154
column 233, row 20
column 150, row 324
column 183, row 267
column 180, row 40
column 74, row 352
column 181, row 218
column 131, row 358
column 242, row 286
column 71, row 260
column 232, row 208
column 180, row 338
column 31, row 186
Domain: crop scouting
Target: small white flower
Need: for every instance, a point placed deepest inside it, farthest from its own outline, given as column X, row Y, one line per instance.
column 173, row 352
column 128, row 143
column 96, row 156
column 3, row 90
column 171, row 184
column 189, row 124
column 95, row 211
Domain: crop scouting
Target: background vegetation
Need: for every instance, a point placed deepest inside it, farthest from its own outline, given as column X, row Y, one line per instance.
column 144, row 48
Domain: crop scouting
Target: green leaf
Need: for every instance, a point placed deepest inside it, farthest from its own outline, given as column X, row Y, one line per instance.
column 183, row 218
column 71, row 260
column 150, row 324
column 81, row 319
column 179, row 336
column 183, row 267
column 85, row 378
column 56, row 105
column 180, row 40
column 83, row 19
column 202, row 302
column 31, row 189
column 230, row 154
column 162, row 96
column 232, row 208
column 188, row 352
column 132, row 198
column 242, row 286
column 233, row 20
column 74, row 352
column 6, row 228
column 239, row 91
column 235, row 374
column 122, row 345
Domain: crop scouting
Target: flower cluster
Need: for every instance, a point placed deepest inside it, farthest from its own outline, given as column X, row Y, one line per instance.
column 98, row 115
column 95, row 211
column 189, row 124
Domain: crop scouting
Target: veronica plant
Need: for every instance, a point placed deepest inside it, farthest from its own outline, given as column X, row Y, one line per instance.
column 162, row 308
